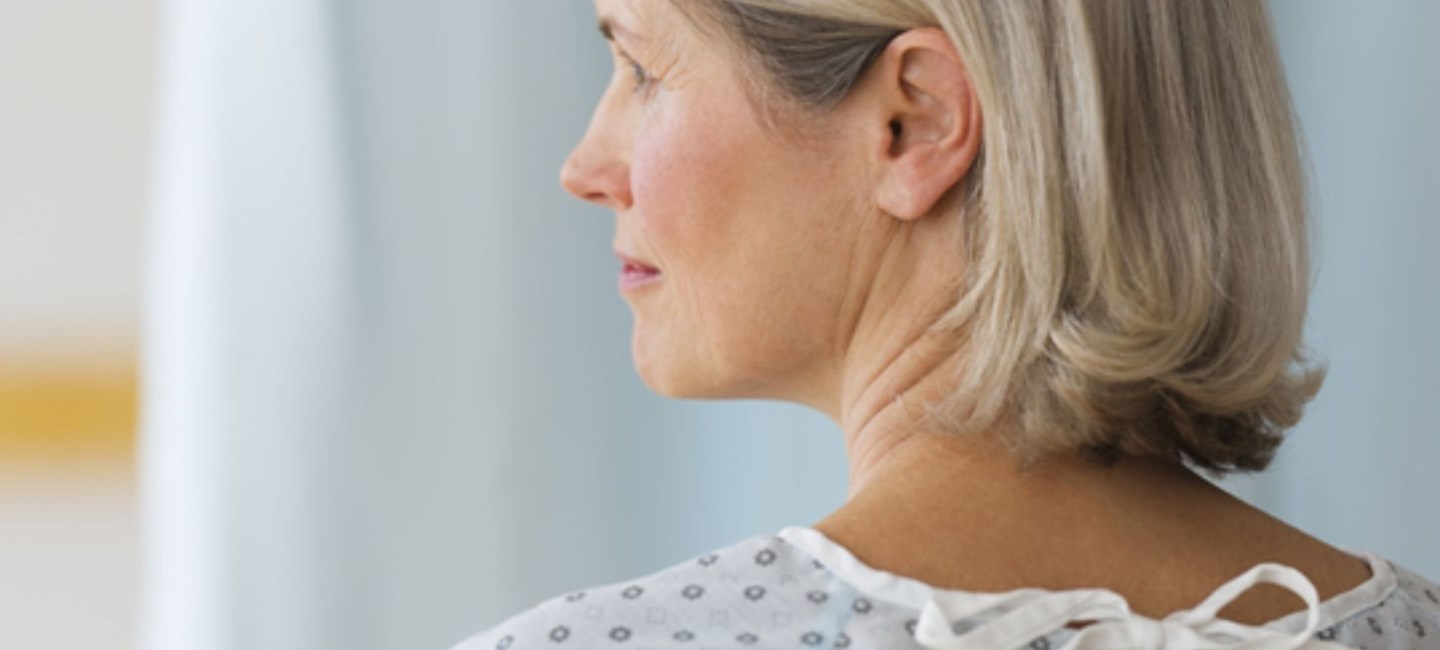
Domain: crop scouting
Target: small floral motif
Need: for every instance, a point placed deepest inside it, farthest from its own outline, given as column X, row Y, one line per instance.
column 708, row 559
column 683, row 635
column 817, row 564
column 754, row 592
column 1327, row 634
column 910, row 627
column 765, row 557
column 619, row 633
column 962, row 626
column 747, row 638
column 1374, row 625
column 861, row 606
column 812, row 638
column 559, row 634
column 575, row 596
column 842, row 641
column 1433, row 598
column 1419, row 629
column 505, row 642
column 1040, row 643
column 632, row 592
column 691, row 592
column 817, row 597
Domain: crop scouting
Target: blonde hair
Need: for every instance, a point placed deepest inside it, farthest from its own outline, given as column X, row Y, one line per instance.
column 1137, row 263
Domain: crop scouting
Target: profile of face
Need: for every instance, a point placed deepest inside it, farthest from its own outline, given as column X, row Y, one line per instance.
column 744, row 253
column 746, row 232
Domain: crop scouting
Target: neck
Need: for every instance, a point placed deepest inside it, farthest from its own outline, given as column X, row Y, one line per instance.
column 885, row 415
column 936, row 491
column 894, row 362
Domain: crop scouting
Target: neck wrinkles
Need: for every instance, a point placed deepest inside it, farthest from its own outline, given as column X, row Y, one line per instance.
column 895, row 361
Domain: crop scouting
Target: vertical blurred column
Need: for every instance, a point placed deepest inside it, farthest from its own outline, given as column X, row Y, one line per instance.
column 246, row 327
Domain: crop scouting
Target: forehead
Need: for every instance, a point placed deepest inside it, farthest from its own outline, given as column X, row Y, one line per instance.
column 632, row 17
column 665, row 26
column 661, row 31
column 657, row 24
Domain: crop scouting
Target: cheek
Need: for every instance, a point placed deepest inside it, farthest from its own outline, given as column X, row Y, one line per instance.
column 729, row 219
column 686, row 182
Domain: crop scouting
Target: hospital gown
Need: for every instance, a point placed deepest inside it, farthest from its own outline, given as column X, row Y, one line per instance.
column 799, row 589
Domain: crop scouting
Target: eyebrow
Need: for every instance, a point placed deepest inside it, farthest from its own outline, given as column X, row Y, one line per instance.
column 609, row 27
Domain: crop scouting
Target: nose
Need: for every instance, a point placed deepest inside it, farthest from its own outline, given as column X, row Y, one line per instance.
column 593, row 174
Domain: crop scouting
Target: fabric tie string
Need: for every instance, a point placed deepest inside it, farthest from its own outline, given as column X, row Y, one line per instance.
column 955, row 620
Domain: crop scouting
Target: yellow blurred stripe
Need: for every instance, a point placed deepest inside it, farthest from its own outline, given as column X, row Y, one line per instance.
column 70, row 409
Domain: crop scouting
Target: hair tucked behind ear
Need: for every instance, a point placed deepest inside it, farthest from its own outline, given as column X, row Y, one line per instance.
column 1136, row 230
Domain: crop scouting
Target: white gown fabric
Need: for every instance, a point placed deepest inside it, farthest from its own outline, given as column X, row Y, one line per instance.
column 799, row 589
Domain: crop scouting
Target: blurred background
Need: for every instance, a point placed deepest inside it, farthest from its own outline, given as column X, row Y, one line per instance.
column 303, row 346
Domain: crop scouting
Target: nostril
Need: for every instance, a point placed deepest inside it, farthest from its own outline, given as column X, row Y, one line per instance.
column 602, row 181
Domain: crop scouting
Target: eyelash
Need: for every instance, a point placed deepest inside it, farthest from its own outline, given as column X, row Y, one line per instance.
column 643, row 79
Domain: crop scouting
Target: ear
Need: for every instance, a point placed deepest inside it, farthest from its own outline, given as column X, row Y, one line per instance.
column 922, row 120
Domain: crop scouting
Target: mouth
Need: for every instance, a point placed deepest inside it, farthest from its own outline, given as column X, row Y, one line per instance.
column 632, row 262
column 635, row 273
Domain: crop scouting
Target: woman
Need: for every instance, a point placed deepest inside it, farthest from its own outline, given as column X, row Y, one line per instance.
column 1039, row 260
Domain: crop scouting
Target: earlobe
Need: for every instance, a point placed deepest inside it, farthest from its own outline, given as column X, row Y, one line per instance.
column 932, row 117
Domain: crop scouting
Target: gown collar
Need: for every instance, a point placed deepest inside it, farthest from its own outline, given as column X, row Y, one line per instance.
column 963, row 620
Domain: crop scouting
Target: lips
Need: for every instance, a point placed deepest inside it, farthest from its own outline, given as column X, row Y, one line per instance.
column 635, row 265
column 635, row 273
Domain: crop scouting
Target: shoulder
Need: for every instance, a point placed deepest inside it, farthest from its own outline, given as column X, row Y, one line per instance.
column 1419, row 588
column 1420, row 598
column 759, row 587
column 1406, row 616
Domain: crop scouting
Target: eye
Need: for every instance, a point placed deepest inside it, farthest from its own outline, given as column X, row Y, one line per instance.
column 642, row 78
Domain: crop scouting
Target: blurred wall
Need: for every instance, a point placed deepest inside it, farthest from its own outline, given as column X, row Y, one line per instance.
column 1359, row 469
column 75, row 99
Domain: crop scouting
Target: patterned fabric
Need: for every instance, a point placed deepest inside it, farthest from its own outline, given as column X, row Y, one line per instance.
column 798, row 589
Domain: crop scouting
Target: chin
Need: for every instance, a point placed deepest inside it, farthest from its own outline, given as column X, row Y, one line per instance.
column 678, row 369
column 653, row 372
column 680, row 381
column 663, row 381
column 667, row 376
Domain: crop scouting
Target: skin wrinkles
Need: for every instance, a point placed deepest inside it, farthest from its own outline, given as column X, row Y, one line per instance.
column 814, row 274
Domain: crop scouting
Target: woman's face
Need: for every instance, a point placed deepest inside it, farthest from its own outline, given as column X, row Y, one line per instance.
column 751, row 235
